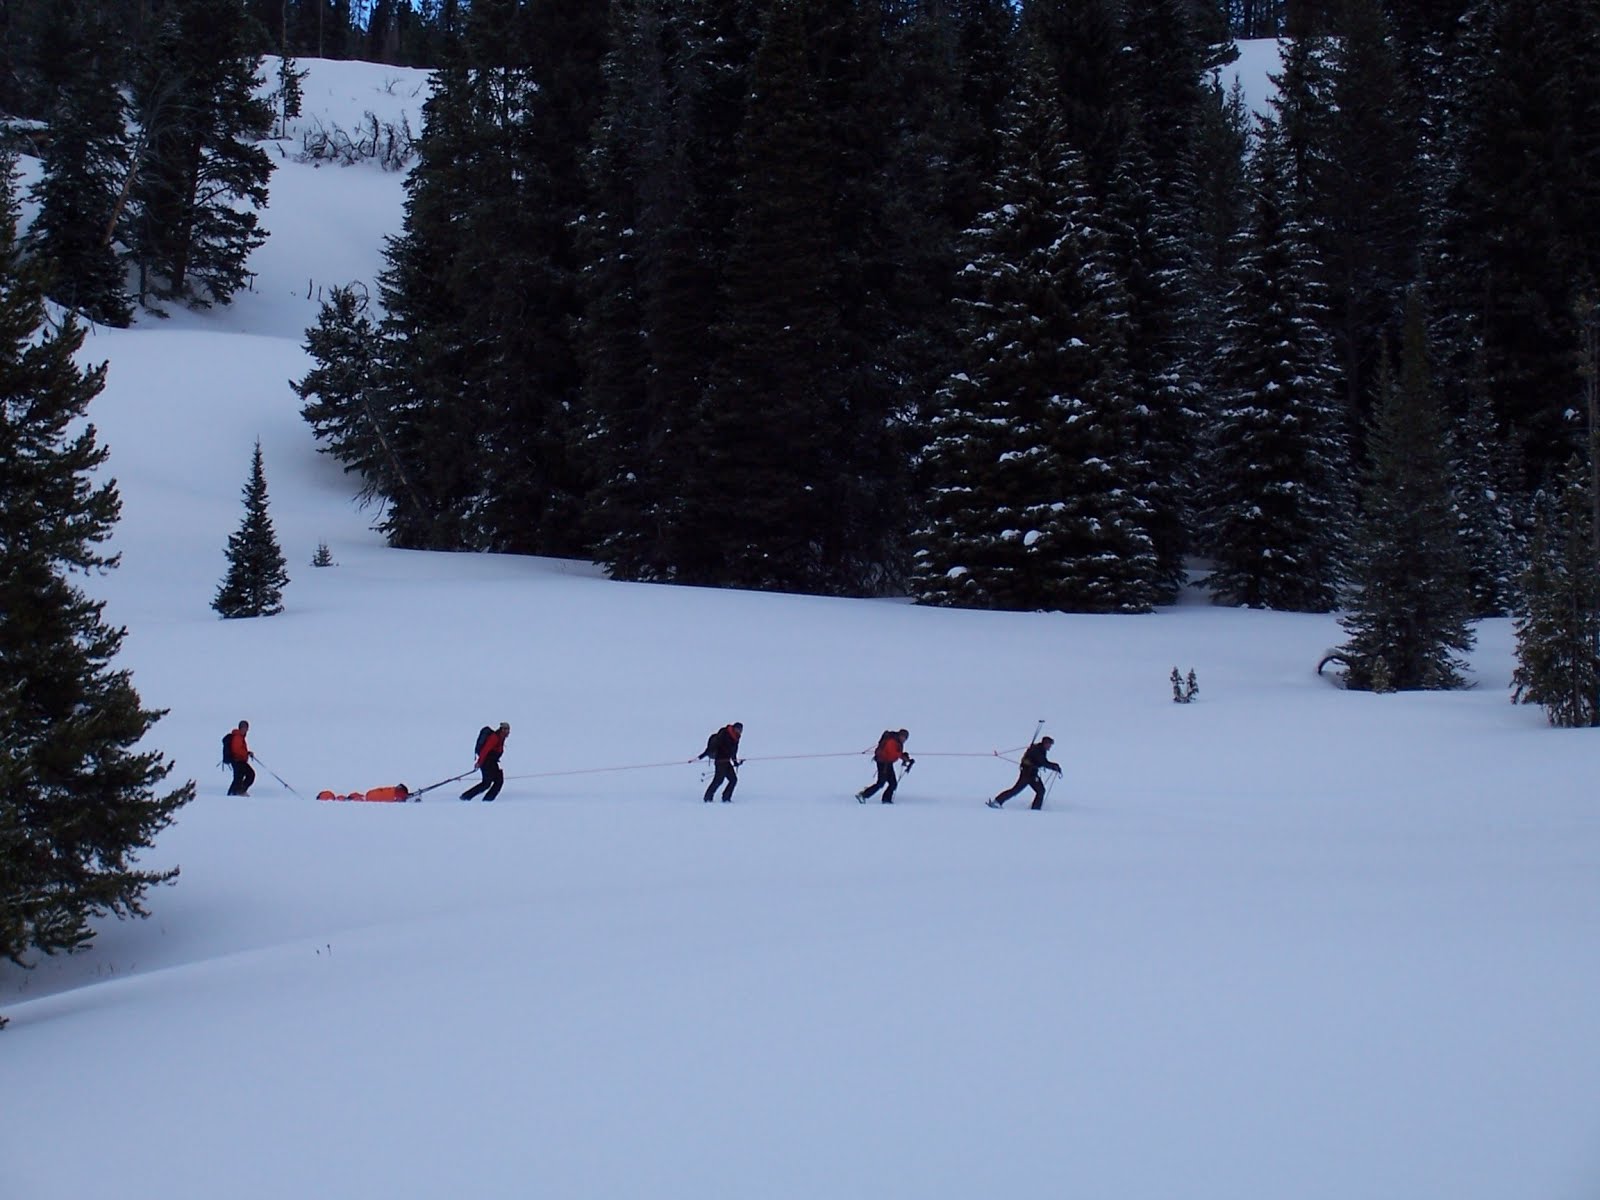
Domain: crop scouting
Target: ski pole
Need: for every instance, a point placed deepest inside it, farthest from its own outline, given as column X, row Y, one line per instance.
column 279, row 778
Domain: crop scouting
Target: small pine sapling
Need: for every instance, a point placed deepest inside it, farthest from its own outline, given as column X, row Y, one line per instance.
column 323, row 557
column 1184, row 690
column 256, row 575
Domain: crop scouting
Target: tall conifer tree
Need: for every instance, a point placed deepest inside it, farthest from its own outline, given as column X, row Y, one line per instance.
column 1274, row 490
column 85, row 165
column 201, row 174
column 1412, row 601
column 77, row 800
column 1028, row 503
column 1558, row 618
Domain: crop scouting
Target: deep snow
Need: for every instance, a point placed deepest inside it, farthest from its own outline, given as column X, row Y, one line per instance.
column 1286, row 941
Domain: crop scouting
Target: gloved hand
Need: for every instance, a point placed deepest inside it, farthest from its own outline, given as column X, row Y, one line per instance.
column 908, row 760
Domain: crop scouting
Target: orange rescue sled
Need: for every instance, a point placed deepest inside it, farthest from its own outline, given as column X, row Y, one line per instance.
column 382, row 795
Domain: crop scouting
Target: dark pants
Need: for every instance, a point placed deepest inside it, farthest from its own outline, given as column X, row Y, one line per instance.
column 243, row 776
column 493, row 779
column 1027, row 777
column 724, row 771
column 887, row 780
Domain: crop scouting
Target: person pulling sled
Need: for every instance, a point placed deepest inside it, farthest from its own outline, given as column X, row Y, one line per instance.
column 722, row 747
column 236, row 754
column 1035, row 759
column 891, row 750
column 490, row 745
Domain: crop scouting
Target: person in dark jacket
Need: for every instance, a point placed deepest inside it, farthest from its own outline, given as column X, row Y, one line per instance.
column 722, row 747
column 891, row 749
column 1035, row 759
column 236, row 754
column 488, row 762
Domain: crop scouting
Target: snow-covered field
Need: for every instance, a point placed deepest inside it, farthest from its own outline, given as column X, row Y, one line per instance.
column 1284, row 943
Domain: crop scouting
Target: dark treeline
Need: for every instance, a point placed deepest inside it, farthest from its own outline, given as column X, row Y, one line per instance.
column 1013, row 309
column 1004, row 307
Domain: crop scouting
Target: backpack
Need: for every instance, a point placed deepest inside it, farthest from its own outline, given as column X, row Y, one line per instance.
column 712, row 745
column 227, row 749
column 484, row 735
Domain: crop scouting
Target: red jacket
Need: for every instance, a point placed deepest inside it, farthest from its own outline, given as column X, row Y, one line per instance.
column 238, row 748
column 492, row 746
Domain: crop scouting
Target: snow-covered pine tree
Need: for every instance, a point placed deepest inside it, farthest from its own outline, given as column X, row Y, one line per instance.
column 1412, row 603
column 257, row 572
column 85, row 161
column 1273, row 492
column 1558, row 616
column 1152, row 256
column 1027, row 501
column 76, row 799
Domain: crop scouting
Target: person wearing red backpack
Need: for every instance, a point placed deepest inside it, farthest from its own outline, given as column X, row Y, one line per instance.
column 488, row 762
column 891, row 749
column 236, row 754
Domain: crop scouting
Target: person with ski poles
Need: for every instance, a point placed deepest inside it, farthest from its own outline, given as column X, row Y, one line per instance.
column 891, row 749
column 488, row 762
column 722, row 747
column 1035, row 759
column 236, row 754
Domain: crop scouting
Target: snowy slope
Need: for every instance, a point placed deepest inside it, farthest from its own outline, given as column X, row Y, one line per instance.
column 1283, row 942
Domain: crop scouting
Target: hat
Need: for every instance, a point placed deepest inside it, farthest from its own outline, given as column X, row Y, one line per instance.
column 904, row 734
column 1047, row 738
column 738, row 725
column 505, row 726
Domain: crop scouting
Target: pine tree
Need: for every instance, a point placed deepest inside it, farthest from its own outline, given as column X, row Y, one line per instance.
column 1274, row 490
column 76, row 799
column 1412, row 605
column 85, row 162
column 1080, row 41
column 652, row 266
column 257, row 574
column 1028, row 503
column 201, row 173
column 539, row 71
column 1486, row 517
column 346, row 400
column 1519, row 242
column 290, row 94
column 1219, row 207
column 434, row 429
column 1153, row 259
column 1558, row 620
column 1367, row 208
column 760, row 471
column 794, row 458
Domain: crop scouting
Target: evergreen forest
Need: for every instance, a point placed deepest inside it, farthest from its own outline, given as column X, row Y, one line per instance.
column 996, row 305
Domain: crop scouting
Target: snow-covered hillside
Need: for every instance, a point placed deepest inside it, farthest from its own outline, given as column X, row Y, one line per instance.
column 1283, row 942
